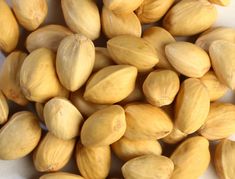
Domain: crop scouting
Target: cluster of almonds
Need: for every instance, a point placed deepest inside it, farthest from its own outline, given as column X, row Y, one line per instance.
column 112, row 98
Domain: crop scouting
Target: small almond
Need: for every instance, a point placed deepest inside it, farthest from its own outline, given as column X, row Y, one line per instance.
column 4, row 109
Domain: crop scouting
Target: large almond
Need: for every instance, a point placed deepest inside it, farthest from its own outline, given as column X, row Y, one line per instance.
column 74, row 61
column 188, row 59
column 222, row 55
column 104, row 127
column 111, row 84
column 19, row 136
column 190, row 17
column 82, row 17
column 130, row 50
column 146, row 122
column 10, row 77
column 48, row 36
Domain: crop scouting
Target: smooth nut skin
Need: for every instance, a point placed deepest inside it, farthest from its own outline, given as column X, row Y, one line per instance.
column 127, row 149
column 86, row 108
column 19, row 136
column 146, row 122
column 190, row 17
column 158, row 37
column 30, row 14
column 93, row 162
column 161, row 87
column 220, row 121
column 188, row 59
column 224, row 159
column 62, row 118
column 60, row 175
column 38, row 79
column 153, row 10
column 120, row 24
column 53, row 153
column 214, row 87
column 10, row 77
column 222, row 55
column 135, row 51
column 175, row 136
column 74, row 61
column 9, row 31
column 4, row 109
column 104, row 127
column 102, row 59
column 48, row 36
column 191, row 158
column 219, row 33
column 122, row 6
column 111, row 84
column 191, row 114
column 148, row 166
column 82, row 17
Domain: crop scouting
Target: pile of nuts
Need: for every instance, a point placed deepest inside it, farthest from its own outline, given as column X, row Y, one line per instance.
column 136, row 97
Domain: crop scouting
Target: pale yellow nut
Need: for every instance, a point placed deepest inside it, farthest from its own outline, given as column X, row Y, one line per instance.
column 222, row 55
column 219, row 33
column 153, row 10
column 192, row 106
column 120, row 24
column 4, row 109
column 104, row 127
column 188, row 59
column 93, row 162
column 19, row 136
column 130, row 50
column 38, row 79
column 220, row 121
column 82, row 17
column 122, row 6
column 62, row 118
column 85, row 107
column 159, row 38
column 127, row 149
column 146, row 122
column 52, row 153
column 190, row 17
column 74, row 61
column 215, row 88
column 9, row 31
column 102, row 59
column 175, row 136
column 221, row 2
column 30, row 14
column 224, row 159
column 148, row 166
column 60, row 175
column 111, row 84
column 191, row 158
column 48, row 36
column 10, row 77
column 161, row 87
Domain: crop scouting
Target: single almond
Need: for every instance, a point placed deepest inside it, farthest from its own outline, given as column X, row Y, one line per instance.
column 104, row 127
column 48, row 36
column 4, row 109
column 60, row 175
column 82, row 17
column 146, row 122
column 120, row 24
column 127, row 149
column 10, row 77
column 93, row 162
column 111, row 84
column 188, row 59
column 130, row 50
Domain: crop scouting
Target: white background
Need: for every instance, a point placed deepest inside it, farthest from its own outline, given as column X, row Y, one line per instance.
column 24, row 169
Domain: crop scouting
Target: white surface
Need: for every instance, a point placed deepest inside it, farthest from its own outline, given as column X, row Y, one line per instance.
column 24, row 169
